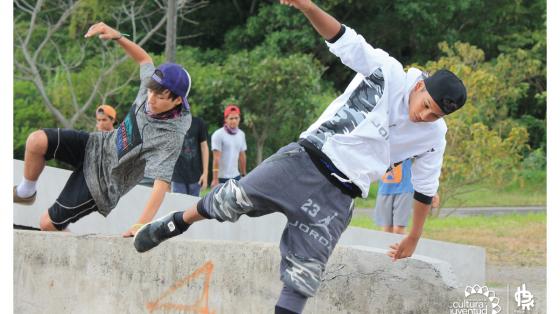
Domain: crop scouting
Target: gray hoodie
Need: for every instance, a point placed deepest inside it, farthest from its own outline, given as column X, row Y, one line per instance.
column 140, row 146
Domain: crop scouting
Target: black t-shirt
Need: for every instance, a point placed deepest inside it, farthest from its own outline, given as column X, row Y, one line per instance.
column 188, row 168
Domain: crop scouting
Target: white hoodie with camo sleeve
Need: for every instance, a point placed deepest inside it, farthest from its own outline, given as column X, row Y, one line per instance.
column 366, row 129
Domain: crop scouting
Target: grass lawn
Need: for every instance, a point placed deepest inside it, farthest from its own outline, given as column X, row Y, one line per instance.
column 510, row 240
column 481, row 195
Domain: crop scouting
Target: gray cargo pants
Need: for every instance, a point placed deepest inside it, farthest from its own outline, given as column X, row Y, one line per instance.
column 317, row 211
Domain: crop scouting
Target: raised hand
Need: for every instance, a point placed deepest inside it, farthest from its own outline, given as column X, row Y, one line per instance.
column 105, row 32
column 298, row 4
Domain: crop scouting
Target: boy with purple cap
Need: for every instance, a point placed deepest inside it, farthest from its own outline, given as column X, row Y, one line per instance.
column 109, row 164
column 384, row 116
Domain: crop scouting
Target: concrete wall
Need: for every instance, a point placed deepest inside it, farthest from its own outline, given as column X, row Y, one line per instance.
column 65, row 273
column 467, row 262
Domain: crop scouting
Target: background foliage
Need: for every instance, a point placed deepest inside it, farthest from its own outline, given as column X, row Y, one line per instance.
column 268, row 59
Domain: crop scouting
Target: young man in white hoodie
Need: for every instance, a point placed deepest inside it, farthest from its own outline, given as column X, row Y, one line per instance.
column 384, row 116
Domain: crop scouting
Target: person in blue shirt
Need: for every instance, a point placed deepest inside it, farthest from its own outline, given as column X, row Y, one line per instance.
column 394, row 199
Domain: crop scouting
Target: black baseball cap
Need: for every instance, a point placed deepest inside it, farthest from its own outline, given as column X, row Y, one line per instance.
column 447, row 90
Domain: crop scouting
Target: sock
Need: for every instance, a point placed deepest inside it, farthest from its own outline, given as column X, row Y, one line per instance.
column 281, row 310
column 179, row 222
column 26, row 188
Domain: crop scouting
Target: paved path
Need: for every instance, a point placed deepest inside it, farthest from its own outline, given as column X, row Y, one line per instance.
column 467, row 211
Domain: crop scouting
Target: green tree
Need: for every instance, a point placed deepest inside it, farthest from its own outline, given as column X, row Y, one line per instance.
column 29, row 113
column 278, row 96
column 475, row 154
column 483, row 143
column 43, row 53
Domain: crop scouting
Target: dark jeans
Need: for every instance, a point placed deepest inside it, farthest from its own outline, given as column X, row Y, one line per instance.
column 186, row 188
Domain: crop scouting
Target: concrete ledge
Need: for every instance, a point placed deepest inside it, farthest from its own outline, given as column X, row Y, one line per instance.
column 467, row 262
column 65, row 273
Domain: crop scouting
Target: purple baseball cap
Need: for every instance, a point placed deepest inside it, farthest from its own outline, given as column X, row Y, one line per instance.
column 176, row 79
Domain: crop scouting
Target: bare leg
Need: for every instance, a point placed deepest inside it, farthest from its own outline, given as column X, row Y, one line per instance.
column 388, row 229
column 45, row 223
column 35, row 150
column 399, row 229
column 191, row 215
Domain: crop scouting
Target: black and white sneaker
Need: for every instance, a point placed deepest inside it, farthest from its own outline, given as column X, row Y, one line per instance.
column 152, row 234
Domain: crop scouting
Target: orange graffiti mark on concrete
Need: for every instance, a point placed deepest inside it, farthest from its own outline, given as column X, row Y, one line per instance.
column 200, row 306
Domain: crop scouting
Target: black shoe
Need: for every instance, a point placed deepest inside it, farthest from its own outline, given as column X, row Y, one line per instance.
column 152, row 234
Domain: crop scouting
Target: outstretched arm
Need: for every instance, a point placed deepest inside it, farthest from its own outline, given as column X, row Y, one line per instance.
column 131, row 48
column 325, row 24
column 408, row 245
column 344, row 42
column 151, row 208
column 426, row 170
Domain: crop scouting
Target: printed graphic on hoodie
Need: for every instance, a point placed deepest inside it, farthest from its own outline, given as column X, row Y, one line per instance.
column 128, row 135
column 361, row 102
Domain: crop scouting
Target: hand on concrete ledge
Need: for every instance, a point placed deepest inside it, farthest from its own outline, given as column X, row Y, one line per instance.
column 132, row 231
column 403, row 249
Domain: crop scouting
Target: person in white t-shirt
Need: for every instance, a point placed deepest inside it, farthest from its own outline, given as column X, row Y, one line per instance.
column 384, row 116
column 228, row 148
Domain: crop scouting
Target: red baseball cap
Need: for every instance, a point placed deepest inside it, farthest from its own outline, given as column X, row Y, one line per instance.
column 231, row 108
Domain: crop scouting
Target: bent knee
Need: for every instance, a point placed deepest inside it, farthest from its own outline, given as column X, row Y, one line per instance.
column 230, row 201
column 45, row 224
column 302, row 274
column 37, row 142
